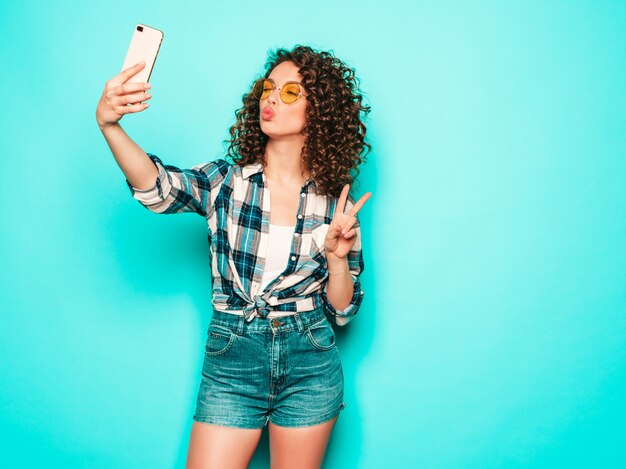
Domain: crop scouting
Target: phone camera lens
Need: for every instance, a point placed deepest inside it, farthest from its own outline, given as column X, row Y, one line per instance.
column 139, row 28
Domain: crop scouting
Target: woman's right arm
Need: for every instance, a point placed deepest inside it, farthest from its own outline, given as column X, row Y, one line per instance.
column 121, row 97
column 160, row 188
column 136, row 165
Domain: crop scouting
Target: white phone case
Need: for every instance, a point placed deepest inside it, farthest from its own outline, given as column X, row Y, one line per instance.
column 144, row 45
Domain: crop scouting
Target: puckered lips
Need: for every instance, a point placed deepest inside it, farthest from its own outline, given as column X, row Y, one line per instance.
column 268, row 113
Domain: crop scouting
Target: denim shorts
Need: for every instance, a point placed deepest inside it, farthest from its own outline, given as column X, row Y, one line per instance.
column 285, row 370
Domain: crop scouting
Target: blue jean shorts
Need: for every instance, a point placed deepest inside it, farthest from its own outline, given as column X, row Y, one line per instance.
column 286, row 370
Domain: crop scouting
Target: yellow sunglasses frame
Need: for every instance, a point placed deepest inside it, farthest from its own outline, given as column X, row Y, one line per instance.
column 263, row 80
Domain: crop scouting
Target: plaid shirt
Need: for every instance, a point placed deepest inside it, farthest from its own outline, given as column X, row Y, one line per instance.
column 236, row 205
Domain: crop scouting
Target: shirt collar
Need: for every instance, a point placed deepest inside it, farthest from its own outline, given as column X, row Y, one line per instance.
column 255, row 168
column 251, row 169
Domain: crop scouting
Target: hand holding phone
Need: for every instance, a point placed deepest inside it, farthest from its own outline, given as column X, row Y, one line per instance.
column 125, row 92
column 118, row 97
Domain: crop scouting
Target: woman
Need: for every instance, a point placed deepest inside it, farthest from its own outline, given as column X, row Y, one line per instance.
column 270, row 355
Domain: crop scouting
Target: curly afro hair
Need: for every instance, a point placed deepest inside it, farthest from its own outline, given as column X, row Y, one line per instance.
column 334, row 133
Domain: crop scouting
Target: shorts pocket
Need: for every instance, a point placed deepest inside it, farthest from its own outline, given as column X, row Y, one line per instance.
column 321, row 335
column 219, row 341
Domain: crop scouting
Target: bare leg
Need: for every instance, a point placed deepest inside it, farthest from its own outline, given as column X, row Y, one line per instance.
column 215, row 446
column 303, row 448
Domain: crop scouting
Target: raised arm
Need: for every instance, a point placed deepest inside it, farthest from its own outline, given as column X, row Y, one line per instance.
column 355, row 267
column 342, row 295
column 115, row 102
column 160, row 188
column 130, row 157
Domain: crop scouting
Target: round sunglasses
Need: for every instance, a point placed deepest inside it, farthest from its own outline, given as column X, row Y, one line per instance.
column 289, row 92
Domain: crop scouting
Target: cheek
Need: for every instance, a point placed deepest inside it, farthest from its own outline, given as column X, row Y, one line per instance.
column 299, row 114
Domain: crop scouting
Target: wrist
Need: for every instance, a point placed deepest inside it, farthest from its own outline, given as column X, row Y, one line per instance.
column 105, row 127
column 337, row 265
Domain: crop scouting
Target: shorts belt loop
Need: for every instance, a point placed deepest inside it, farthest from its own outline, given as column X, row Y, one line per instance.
column 298, row 319
column 240, row 324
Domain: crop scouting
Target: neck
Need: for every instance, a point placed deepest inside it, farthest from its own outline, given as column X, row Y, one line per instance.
column 283, row 159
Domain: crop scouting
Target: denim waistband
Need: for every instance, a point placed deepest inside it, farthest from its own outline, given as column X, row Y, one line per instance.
column 295, row 321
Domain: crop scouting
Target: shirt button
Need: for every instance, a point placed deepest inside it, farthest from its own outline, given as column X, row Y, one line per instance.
column 293, row 258
column 296, row 234
column 281, row 277
column 303, row 195
column 300, row 216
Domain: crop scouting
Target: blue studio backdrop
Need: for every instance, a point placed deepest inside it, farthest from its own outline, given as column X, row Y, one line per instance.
column 493, row 328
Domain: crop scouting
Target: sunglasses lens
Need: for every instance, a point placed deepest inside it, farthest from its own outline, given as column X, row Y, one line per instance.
column 290, row 93
column 262, row 89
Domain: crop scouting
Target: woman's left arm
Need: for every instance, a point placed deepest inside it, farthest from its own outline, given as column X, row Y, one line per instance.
column 343, row 294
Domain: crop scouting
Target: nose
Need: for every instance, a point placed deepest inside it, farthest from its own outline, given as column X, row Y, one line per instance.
column 271, row 98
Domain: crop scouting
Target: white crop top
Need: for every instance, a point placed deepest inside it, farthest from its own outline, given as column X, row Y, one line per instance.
column 280, row 237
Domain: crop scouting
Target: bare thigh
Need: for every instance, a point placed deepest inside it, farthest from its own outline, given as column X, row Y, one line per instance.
column 303, row 448
column 215, row 446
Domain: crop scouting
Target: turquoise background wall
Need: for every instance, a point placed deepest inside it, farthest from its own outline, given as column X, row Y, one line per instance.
column 493, row 329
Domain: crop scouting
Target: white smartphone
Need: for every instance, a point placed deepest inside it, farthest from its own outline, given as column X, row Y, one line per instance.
column 144, row 45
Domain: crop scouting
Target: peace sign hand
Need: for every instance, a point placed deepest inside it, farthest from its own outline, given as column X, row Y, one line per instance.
column 341, row 236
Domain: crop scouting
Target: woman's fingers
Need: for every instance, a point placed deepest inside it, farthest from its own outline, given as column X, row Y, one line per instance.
column 131, row 108
column 349, row 224
column 124, row 75
column 133, row 93
column 357, row 206
column 341, row 203
column 343, row 197
column 114, row 94
column 133, row 98
column 126, row 88
column 118, row 94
